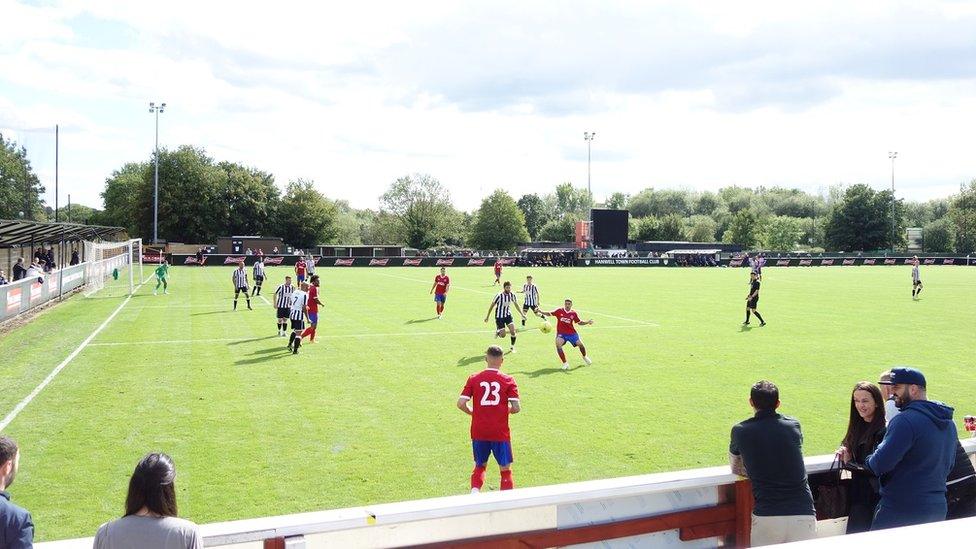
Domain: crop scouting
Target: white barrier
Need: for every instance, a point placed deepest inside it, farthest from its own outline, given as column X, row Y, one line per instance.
column 665, row 503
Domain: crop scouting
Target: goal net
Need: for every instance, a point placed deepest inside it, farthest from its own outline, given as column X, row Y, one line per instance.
column 113, row 268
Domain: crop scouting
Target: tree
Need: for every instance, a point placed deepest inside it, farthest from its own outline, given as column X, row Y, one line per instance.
column 573, row 202
column 706, row 203
column 701, row 228
column 190, row 186
column 742, row 230
column 535, row 211
column 247, row 201
column 671, row 227
column 640, row 204
column 736, row 198
column 121, row 198
column 962, row 211
column 80, row 213
column 19, row 186
column 422, row 208
column 616, row 201
column 499, row 224
column 937, row 236
column 660, row 203
column 862, row 220
column 782, row 233
column 646, row 228
column 383, row 228
column 559, row 230
column 306, row 217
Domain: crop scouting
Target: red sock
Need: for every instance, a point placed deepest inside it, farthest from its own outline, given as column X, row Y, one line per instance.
column 478, row 477
column 562, row 355
column 312, row 337
column 507, row 482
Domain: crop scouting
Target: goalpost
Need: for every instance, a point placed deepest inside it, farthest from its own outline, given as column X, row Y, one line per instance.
column 113, row 268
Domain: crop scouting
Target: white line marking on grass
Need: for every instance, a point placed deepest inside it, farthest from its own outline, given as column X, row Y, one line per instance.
column 50, row 377
column 342, row 336
column 592, row 312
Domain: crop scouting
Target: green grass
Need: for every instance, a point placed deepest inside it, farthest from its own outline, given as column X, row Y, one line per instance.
column 367, row 414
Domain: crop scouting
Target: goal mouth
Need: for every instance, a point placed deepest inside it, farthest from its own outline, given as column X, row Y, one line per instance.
column 113, row 269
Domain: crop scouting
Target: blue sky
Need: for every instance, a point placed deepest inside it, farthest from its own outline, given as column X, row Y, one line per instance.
column 487, row 95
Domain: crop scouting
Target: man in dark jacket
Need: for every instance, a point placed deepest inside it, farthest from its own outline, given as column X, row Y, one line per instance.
column 916, row 456
column 20, row 270
column 16, row 525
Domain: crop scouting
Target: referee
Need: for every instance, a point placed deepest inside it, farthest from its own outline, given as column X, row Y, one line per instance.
column 240, row 285
column 502, row 304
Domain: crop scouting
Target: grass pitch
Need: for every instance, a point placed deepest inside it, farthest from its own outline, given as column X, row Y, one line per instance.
column 366, row 415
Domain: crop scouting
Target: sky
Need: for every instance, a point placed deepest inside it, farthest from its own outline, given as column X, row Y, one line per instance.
column 486, row 95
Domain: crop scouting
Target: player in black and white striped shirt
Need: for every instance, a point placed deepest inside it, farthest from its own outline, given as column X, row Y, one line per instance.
column 258, row 275
column 297, row 312
column 531, row 292
column 282, row 302
column 240, row 285
column 502, row 305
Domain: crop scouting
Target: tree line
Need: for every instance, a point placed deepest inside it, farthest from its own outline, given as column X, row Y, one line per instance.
column 201, row 198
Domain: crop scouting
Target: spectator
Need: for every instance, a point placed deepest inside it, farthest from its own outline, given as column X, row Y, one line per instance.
column 49, row 262
column 3, row 278
column 19, row 270
column 274, row 250
column 16, row 525
column 200, row 256
column 768, row 448
column 150, row 520
column 74, row 257
column 865, row 431
column 885, row 382
column 35, row 271
column 248, row 252
column 916, row 456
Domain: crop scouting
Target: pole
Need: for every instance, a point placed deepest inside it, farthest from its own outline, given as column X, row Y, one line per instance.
column 56, row 156
column 156, row 185
column 893, row 201
column 69, row 208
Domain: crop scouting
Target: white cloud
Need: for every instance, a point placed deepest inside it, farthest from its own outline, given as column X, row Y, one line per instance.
column 486, row 95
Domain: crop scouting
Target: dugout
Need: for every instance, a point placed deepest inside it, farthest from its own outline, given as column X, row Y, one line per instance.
column 663, row 246
column 21, row 238
column 240, row 244
column 357, row 250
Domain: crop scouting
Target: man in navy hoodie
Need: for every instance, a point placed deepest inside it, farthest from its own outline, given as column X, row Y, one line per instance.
column 915, row 457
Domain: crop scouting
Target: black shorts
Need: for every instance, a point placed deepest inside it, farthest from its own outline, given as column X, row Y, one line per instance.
column 284, row 312
column 917, row 282
column 753, row 303
column 526, row 307
column 298, row 324
column 503, row 322
column 240, row 289
column 258, row 279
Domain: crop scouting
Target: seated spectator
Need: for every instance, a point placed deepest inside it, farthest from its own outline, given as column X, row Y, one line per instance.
column 768, row 448
column 961, row 487
column 16, row 525
column 865, row 431
column 150, row 520
column 20, row 271
column 3, row 278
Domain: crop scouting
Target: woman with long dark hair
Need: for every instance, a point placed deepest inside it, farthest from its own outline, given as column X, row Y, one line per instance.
column 150, row 519
column 865, row 431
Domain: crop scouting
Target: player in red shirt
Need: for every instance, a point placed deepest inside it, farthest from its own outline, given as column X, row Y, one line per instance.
column 566, row 318
column 498, row 271
column 442, row 284
column 493, row 396
column 300, row 270
column 313, row 309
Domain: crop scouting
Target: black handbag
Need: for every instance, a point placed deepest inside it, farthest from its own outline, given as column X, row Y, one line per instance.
column 831, row 493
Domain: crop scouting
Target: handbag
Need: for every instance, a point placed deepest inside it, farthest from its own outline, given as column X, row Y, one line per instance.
column 831, row 496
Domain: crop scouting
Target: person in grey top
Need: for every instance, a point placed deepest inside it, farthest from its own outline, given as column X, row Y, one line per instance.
column 150, row 520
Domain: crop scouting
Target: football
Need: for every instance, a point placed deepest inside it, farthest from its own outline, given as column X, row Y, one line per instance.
column 545, row 327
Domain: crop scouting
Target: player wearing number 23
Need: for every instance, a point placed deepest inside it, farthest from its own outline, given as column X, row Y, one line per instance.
column 493, row 396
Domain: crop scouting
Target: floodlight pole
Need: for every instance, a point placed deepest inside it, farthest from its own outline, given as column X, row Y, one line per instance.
column 588, row 137
column 893, row 155
column 153, row 108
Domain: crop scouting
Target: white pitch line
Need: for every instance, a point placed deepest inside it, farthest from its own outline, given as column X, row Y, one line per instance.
column 340, row 336
column 492, row 293
column 50, row 377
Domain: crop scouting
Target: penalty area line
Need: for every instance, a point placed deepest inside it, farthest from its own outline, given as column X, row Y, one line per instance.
column 324, row 337
column 50, row 377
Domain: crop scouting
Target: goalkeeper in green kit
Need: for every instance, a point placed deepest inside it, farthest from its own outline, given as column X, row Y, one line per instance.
column 161, row 273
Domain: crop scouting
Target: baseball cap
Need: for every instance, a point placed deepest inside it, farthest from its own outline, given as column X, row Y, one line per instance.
column 905, row 376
